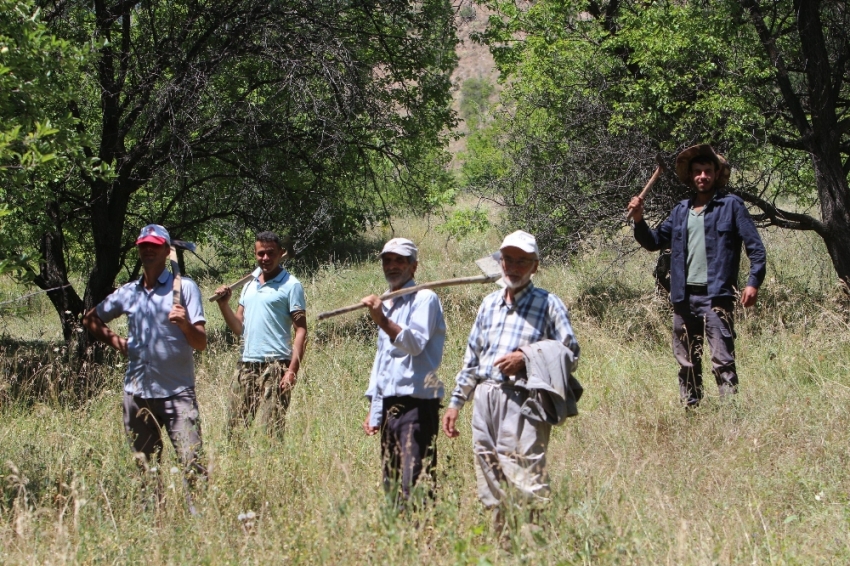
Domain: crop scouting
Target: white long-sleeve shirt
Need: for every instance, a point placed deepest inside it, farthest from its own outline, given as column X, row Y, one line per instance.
column 407, row 366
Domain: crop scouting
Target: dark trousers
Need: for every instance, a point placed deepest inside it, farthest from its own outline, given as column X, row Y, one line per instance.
column 409, row 443
column 694, row 320
column 144, row 419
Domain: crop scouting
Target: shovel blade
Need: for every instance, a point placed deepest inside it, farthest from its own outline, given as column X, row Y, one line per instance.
column 491, row 267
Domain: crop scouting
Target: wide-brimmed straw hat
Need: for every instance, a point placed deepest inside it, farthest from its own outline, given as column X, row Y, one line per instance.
column 683, row 164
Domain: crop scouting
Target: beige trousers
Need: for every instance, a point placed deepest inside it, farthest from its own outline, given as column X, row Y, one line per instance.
column 510, row 450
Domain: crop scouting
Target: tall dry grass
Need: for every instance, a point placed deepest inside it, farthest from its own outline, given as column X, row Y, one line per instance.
column 635, row 481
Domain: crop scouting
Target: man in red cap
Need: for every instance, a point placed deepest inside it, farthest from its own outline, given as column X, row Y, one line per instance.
column 704, row 234
column 159, row 384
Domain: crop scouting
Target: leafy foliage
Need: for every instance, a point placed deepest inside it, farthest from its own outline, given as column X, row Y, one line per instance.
column 37, row 136
column 475, row 96
column 600, row 88
column 213, row 119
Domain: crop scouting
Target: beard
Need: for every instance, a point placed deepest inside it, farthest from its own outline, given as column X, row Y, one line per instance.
column 515, row 284
column 396, row 281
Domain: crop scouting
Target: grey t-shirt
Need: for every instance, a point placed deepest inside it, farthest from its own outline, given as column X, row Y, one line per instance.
column 160, row 358
column 697, row 261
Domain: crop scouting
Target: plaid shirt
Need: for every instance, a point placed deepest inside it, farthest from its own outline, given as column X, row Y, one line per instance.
column 501, row 328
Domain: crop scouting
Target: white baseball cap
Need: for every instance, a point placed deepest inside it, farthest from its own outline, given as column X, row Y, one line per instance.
column 401, row 246
column 154, row 234
column 522, row 240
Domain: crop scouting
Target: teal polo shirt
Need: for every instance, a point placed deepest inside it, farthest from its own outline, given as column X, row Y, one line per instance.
column 267, row 320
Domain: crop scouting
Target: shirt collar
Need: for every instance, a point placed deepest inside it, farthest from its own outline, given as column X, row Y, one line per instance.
column 411, row 283
column 162, row 279
column 279, row 277
column 520, row 296
column 710, row 202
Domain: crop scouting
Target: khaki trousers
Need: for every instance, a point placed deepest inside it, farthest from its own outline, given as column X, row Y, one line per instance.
column 255, row 395
column 510, row 450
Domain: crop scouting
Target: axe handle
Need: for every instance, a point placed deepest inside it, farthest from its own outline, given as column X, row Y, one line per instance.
column 415, row 288
column 175, row 270
column 648, row 186
column 234, row 286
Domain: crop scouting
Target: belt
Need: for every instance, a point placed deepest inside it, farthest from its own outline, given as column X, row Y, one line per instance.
column 697, row 289
column 260, row 365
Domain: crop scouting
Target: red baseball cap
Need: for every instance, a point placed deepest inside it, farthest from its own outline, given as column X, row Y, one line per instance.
column 153, row 234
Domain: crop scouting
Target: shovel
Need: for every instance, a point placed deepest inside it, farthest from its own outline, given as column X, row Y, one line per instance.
column 489, row 265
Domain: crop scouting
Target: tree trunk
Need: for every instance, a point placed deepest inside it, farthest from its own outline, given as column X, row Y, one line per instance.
column 53, row 274
column 833, row 194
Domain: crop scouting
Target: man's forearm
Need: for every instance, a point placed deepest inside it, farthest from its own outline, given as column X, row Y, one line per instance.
column 196, row 336
column 100, row 331
column 299, row 347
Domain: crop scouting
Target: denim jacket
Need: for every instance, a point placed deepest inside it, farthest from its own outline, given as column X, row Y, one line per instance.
column 727, row 225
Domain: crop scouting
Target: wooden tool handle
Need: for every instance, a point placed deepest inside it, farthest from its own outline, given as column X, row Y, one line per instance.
column 646, row 188
column 175, row 270
column 409, row 290
column 651, row 182
column 234, row 286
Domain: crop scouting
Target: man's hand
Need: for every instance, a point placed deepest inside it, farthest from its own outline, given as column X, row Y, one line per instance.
column 749, row 296
column 179, row 317
column 510, row 364
column 376, row 309
column 287, row 380
column 368, row 428
column 120, row 344
column 449, row 422
column 635, row 209
column 224, row 292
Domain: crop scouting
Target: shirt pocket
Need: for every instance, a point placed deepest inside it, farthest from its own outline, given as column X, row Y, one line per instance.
column 725, row 233
column 725, row 225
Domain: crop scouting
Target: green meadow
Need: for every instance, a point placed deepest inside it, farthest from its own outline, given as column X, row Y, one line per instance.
column 760, row 480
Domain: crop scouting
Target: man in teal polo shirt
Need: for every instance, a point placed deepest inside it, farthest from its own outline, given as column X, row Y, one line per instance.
column 269, row 307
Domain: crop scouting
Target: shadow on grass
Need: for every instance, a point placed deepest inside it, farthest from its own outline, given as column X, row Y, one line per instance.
column 43, row 371
column 600, row 300
column 360, row 328
column 360, row 249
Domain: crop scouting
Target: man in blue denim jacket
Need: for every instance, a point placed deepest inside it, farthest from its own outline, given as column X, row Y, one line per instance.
column 704, row 234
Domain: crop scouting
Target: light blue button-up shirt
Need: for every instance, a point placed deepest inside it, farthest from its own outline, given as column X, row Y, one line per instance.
column 160, row 358
column 267, row 326
column 408, row 365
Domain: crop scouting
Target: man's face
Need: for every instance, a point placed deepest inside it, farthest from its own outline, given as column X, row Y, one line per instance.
column 152, row 255
column 517, row 267
column 703, row 175
column 398, row 269
column 268, row 256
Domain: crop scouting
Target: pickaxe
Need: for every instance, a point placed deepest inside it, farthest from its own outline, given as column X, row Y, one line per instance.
column 489, row 265
column 175, row 265
column 241, row 282
column 658, row 170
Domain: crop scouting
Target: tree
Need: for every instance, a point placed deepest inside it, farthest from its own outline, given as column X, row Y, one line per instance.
column 30, row 142
column 766, row 82
column 205, row 116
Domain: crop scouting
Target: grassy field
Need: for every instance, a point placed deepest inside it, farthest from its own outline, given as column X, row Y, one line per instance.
column 761, row 480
